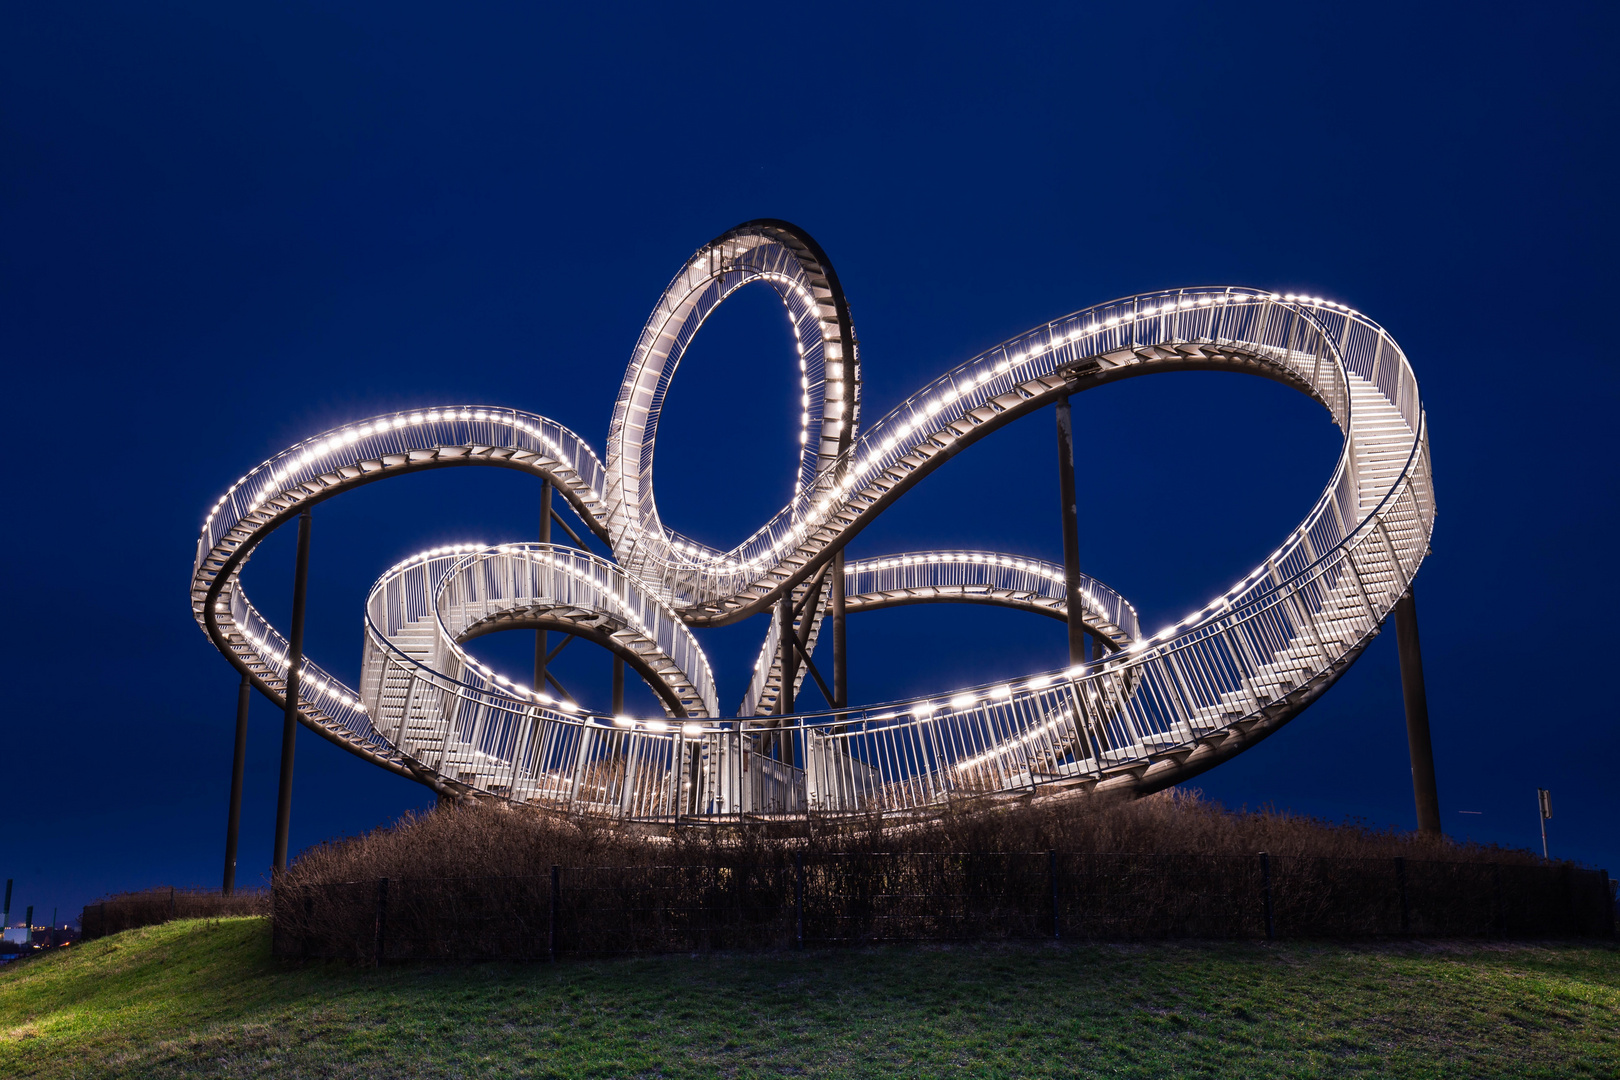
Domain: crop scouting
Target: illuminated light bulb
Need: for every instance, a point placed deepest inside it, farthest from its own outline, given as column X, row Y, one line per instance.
column 1039, row 682
column 657, row 725
column 416, row 418
column 399, row 421
column 691, row 729
column 624, row 721
column 1002, row 692
column 1111, row 320
column 962, row 701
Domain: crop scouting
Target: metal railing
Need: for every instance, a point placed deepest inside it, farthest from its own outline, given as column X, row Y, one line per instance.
column 992, row 574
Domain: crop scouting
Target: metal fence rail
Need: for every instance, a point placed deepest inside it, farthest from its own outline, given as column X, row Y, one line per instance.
column 827, row 900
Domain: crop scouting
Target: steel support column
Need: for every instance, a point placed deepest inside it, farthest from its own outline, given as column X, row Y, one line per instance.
column 1071, row 532
column 289, row 720
column 1425, row 792
column 790, row 675
column 233, row 817
column 540, row 635
column 840, row 642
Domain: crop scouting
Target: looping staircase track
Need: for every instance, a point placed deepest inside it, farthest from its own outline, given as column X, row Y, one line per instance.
column 1155, row 711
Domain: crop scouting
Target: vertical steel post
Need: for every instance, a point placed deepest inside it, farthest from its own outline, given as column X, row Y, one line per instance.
column 233, row 817
column 840, row 644
column 540, row 635
column 790, row 675
column 618, row 684
column 1425, row 793
column 1071, row 532
column 289, row 720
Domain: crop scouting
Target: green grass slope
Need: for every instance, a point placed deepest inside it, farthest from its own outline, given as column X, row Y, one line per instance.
column 204, row 998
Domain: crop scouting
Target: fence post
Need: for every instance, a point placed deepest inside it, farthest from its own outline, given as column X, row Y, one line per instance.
column 556, row 884
column 382, row 919
column 1568, row 876
column 1265, row 880
column 1400, row 885
column 1051, row 881
column 798, row 899
column 1501, row 904
column 1608, row 902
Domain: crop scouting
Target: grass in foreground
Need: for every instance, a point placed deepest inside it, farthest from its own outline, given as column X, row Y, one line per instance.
column 204, row 998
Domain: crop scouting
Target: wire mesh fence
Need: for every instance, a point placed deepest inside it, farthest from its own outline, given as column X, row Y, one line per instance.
column 859, row 899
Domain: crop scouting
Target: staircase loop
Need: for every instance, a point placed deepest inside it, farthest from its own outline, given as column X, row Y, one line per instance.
column 1158, row 709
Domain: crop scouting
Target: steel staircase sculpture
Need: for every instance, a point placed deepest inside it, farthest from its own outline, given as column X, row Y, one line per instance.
column 1157, row 709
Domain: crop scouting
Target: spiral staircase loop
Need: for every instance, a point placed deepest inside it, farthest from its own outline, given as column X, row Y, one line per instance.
column 1158, row 709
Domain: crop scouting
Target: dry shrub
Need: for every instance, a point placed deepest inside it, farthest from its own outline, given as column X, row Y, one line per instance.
column 495, row 840
column 476, row 882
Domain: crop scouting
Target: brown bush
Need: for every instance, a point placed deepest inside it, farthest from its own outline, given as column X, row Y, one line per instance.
column 490, row 840
column 477, row 882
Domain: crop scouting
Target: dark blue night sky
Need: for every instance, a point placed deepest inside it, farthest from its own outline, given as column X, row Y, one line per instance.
column 226, row 231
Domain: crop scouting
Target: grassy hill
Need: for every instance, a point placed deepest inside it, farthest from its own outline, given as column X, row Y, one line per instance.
column 204, row 998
